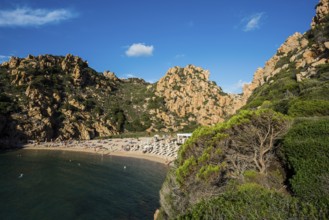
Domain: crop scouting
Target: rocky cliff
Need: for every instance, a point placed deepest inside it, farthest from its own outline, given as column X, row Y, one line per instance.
column 54, row 97
column 301, row 52
column 188, row 93
column 322, row 11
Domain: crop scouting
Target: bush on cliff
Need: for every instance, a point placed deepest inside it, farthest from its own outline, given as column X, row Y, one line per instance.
column 215, row 156
column 306, row 154
column 309, row 108
column 251, row 201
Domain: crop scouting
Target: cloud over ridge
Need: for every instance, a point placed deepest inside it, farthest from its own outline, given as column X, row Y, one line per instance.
column 236, row 87
column 253, row 22
column 33, row 17
column 4, row 58
column 139, row 49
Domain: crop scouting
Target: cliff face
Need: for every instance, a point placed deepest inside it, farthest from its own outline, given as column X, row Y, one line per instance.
column 189, row 94
column 54, row 97
column 322, row 11
column 305, row 51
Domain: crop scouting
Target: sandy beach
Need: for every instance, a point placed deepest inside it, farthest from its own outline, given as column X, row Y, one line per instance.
column 161, row 150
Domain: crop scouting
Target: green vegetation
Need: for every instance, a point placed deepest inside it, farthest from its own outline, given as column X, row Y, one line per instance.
column 306, row 154
column 251, row 201
column 309, row 108
column 270, row 160
column 280, row 93
column 286, row 95
column 320, row 33
column 156, row 102
column 238, row 151
column 7, row 105
column 250, row 135
column 76, row 93
column 128, row 105
column 219, row 175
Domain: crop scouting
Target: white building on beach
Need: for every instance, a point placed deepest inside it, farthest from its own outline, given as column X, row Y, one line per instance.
column 181, row 138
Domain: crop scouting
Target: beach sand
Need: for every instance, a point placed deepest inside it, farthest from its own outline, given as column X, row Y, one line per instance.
column 114, row 147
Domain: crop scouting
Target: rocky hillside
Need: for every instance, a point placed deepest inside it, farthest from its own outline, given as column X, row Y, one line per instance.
column 49, row 97
column 271, row 159
column 188, row 93
column 55, row 97
column 304, row 54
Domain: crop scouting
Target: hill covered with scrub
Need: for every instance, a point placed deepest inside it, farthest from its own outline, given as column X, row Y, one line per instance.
column 270, row 160
column 60, row 97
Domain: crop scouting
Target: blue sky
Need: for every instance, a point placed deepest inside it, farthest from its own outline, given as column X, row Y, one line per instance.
column 144, row 38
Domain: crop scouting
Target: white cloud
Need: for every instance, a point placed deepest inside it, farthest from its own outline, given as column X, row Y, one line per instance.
column 236, row 87
column 139, row 49
column 150, row 81
column 178, row 56
column 4, row 58
column 32, row 17
column 130, row 76
column 252, row 22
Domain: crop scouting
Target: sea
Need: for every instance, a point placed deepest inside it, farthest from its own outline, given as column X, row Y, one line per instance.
column 41, row 184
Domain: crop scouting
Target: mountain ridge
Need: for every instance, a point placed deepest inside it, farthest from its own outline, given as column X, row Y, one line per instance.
column 50, row 97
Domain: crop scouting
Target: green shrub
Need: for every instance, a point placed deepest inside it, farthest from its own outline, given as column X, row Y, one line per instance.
column 237, row 136
column 284, row 60
column 251, row 201
column 320, row 33
column 306, row 153
column 156, row 103
column 322, row 71
column 284, row 89
column 5, row 104
column 309, row 108
column 185, row 169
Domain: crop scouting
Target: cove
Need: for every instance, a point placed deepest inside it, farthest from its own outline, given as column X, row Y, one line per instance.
column 41, row 184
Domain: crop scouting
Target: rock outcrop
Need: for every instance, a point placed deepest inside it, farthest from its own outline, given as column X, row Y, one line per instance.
column 110, row 76
column 302, row 51
column 322, row 11
column 56, row 97
column 189, row 94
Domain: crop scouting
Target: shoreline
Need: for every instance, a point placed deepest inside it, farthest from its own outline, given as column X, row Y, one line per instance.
column 110, row 147
column 150, row 157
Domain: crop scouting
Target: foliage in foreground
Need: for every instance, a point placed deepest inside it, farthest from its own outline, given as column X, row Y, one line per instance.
column 244, row 142
column 305, row 153
column 216, row 155
column 250, row 201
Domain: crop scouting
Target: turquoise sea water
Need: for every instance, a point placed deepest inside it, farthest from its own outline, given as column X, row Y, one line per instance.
column 38, row 184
